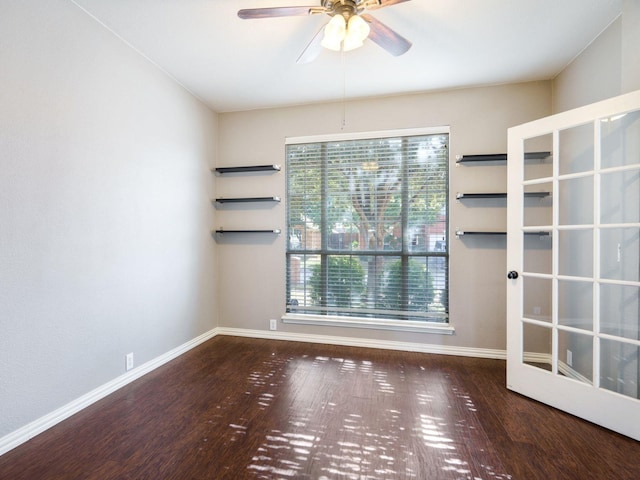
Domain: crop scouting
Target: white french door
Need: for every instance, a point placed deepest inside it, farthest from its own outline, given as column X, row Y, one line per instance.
column 573, row 255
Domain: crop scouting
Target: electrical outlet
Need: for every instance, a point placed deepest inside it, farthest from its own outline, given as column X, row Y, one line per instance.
column 129, row 361
column 273, row 324
column 570, row 358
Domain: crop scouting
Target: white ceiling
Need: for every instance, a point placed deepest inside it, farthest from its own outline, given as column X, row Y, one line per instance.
column 233, row 64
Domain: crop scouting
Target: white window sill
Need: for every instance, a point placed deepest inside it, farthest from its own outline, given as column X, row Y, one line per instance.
column 378, row 324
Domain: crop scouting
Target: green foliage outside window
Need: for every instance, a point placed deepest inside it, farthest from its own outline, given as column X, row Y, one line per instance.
column 346, row 281
column 420, row 293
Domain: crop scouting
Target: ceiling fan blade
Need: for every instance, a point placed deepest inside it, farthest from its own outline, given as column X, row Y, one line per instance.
column 391, row 41
column 249, row 13
column 313, row 49
column 378, row 4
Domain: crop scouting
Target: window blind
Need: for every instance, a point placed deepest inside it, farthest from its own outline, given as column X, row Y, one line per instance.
column 367, row 227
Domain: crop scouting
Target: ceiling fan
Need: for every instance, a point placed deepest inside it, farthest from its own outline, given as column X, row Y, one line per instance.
column 348, row 28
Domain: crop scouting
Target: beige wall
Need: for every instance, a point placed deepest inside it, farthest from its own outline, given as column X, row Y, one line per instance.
column 594, row 75
column 104, row 210
column 608, row 67
column 630, row 40
column 252, row 269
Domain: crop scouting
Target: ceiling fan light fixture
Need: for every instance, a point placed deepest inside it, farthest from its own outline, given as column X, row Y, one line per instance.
column 357, row 31
column 334, row 33
column 358, row 28
column 351, row 43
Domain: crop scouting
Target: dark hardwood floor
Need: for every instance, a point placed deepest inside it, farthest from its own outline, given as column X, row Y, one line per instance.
column 237, row 408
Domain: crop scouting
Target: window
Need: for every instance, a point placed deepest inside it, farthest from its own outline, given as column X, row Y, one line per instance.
column 367, row 226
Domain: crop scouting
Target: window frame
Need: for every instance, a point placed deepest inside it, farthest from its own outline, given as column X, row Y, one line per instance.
column 328, row 319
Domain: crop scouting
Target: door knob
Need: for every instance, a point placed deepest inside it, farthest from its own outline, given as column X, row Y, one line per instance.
column 512, row 275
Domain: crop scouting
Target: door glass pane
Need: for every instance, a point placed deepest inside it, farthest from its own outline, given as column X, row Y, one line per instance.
column 537, row 253
column 575, row 201
column 620, row 140
column 575, row 304
column 538, row 202
column 575, row 356
column 536, row 345
column 620, row 253
column 576, row 149
column 619, row 198
column 575, row 252
column 619, row 367
column 537, row 298
column 620, row 310
column 542, row 165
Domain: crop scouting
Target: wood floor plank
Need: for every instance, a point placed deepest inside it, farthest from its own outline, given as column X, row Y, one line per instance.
column 238, row 408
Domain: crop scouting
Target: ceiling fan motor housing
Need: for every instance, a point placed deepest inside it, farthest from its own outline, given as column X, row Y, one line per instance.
column 346, row 8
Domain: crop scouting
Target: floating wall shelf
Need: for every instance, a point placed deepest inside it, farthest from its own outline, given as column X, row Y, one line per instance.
column 461, row 233
column 460, row 196
column 223, row 231
column 495, row 158
column 247, row 169
column 252, row 168
column 499, row 157
column 248, row 199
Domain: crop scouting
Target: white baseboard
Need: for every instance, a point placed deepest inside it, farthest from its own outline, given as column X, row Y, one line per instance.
column 38, row 426
column 367, row 343
column 23, row 434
